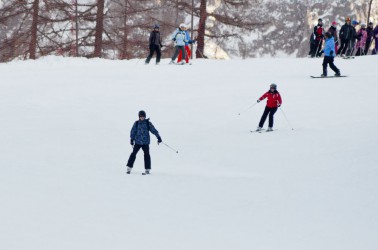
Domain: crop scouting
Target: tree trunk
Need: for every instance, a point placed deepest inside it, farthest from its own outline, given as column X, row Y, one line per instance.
column 368, row 19
column 125, row 31
column 34, row 30
column 201, row 30
column 99, row 28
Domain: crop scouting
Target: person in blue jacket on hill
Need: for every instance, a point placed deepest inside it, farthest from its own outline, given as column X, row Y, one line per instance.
column 140, row 139
column 329, row 54
column 179, row 37
column 187, row 48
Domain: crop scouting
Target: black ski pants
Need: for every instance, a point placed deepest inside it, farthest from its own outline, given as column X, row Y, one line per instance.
column 343, row 47
column 154, row 48
column 147, row 157
column 316, row 47
column 270, row 112
column 329, row 60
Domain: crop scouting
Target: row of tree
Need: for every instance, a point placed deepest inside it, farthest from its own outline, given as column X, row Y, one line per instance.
column 116, row 29
column 119, row 29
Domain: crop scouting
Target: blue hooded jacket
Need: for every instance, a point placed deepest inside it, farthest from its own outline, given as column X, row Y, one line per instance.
column 329, row 46
column 180, row 37
column 140, row 132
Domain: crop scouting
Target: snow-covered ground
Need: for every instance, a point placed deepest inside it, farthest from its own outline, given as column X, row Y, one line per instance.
column 64, row 129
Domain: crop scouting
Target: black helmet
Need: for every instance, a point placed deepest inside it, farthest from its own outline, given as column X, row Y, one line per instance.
column 320, row 20
column 273, row 85
column 142, row 114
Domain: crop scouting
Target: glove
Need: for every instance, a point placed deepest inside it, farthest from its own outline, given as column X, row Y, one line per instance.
column 174, row 39
column 331, row 53
column 258, row 101
column 132, row 142
column 159, row 140
column 278, row 105
column 161, row 45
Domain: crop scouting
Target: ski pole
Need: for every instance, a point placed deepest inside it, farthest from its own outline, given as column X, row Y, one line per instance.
column 248, row 108
column 286, row 119
column 170, row 147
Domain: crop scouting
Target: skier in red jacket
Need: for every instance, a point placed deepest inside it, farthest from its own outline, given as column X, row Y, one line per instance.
column 274, row 101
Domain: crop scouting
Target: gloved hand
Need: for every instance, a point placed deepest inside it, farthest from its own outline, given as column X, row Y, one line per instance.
column 331, row 53
column 161, row 45
column 258, row 100
column 132, row 142
column 278, row 105
column 174, row 39
column 159, row 140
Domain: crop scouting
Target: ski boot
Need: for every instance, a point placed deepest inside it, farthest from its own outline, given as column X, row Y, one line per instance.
column 171, row 62
column 338, row 74
column 258, row 129
column 128, row 171
column 269, row 129
column 146, row 172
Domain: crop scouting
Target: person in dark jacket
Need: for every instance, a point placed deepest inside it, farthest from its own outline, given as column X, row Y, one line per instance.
column 155, row 44
column 333, row 31
column 318, row 33
column 345, row 36
column 353, row 40
column 140, row 139
column 375, row 34
column 273, row 103
column 329, row 54
column 369, row 39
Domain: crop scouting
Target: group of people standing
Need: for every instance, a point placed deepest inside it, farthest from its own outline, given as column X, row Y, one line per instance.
column 351, row 41
column 181, row 39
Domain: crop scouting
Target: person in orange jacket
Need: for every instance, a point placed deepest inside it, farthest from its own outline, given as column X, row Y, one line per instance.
column 274, row 101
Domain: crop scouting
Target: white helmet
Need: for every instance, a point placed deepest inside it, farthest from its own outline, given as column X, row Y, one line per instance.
column 182, row 25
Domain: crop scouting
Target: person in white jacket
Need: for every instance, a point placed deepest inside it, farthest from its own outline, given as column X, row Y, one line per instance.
column 179, row 37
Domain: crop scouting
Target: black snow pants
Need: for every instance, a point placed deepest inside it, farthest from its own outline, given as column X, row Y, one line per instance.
column 329, row 60
column 147, row 157
column 270, row 112
column 154, row 48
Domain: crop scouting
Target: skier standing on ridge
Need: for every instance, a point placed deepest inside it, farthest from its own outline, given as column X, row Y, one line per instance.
column 155, row 45
column 353, row 39
column 361, row 40
column 140, row 136
column 345, row 36
column 376, row 40
column 179, row 37
column 187, row 49
column 318, row 39
column 274, row 101
column 370, row 35
column 329, row 54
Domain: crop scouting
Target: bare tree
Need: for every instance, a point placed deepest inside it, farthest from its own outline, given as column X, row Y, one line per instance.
column 369, row 11
column 34, row 30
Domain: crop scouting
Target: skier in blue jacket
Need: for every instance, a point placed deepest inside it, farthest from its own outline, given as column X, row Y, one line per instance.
column 140, row 139
column 179, row 37
column 329, row 54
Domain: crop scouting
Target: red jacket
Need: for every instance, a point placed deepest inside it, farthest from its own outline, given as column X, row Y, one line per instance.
column 273, row 99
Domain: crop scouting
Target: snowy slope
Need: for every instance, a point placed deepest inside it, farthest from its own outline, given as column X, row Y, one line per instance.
column 64, row 129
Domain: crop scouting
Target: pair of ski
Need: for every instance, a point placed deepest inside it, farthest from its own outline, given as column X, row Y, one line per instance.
column 175, row 63
column 326, row 76
column 144, row 173
column 261, row 131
